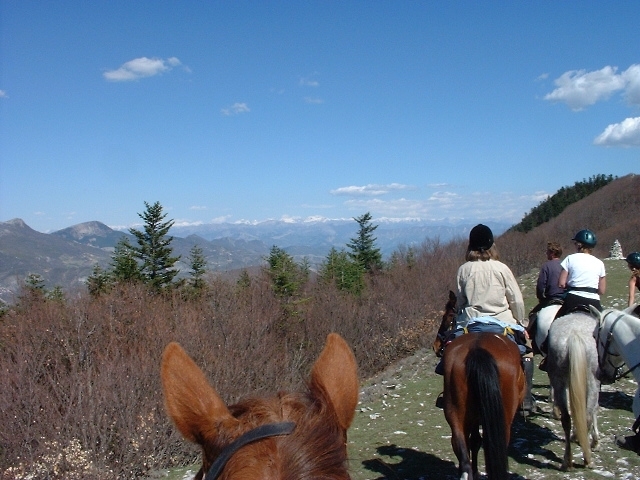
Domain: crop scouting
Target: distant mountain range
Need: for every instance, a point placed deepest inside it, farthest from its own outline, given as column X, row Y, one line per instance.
column 66, row 257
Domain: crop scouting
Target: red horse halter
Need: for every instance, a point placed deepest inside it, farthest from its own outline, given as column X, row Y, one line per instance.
column 258, row 433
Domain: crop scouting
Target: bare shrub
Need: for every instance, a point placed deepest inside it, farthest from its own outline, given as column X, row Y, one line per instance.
column 81, row 394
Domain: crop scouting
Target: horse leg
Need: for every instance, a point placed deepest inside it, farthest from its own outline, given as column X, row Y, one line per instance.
column 475, row 442
column 565, row 418
column 560, row 402
column 460, row 448
column 592, row 415
column 635, row 406
column 595, row 435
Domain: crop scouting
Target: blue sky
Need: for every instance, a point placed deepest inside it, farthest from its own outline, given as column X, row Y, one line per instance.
column 247, row 111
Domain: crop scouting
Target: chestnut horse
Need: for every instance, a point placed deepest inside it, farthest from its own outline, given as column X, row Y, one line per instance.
column 290, row 435
column 447, row 325
column 484, row 385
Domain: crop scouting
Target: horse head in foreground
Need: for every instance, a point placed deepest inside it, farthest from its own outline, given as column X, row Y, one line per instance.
column 288, row 436
column 573, row 368
column 484, row 385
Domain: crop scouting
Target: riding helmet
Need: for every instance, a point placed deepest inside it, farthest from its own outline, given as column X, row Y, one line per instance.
column 480, row 238
column 633, row 259
column 586, row 237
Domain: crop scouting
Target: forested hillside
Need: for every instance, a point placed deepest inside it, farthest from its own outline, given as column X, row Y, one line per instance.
column 556, row 203
column 611, row 212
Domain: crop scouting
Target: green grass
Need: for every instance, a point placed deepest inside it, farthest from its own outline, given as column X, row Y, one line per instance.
column 400, row 433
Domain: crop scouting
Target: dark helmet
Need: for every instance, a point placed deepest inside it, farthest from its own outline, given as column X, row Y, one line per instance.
column 480, row 238
column 586, row 237
column 633, row 259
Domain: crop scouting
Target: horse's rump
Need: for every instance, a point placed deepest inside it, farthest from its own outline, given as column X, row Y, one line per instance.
column 572, row 367
column 483, row 385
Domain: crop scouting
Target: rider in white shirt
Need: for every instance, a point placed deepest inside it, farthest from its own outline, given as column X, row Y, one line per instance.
column 583, row 275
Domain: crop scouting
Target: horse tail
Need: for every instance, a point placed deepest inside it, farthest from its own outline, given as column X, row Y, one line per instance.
column 578, row 390
column 484, row 386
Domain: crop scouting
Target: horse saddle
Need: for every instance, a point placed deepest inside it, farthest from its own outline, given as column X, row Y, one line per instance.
column 582, row 309
column 514, row 332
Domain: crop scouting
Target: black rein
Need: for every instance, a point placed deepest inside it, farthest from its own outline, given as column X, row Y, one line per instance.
column 258, row 433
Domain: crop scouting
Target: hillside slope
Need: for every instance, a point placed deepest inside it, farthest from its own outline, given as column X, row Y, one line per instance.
column 613, row 213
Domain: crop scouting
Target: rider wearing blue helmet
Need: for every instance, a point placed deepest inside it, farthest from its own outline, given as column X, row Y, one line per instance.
column 583, row 275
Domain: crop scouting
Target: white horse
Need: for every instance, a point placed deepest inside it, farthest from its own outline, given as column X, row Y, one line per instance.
column 572, row 367
column 543, row 323
column 619, row 344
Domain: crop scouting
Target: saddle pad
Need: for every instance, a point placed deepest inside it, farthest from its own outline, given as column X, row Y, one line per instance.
column 514, row 332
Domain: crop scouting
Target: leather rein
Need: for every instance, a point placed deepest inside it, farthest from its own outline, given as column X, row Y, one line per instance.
column 616, row 375
column 258, row 433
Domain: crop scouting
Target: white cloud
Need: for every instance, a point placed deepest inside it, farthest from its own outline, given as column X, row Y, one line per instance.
column 187, row 223
column 315, row 101
column 3, row 94
column 140, row 68
column 632, row 91
column 579, row 88
column 479, row 206
column 235, row 109
column 370, row 190
column 197, row 207
column 222, row 219
column 309, row 82
column 626, row 134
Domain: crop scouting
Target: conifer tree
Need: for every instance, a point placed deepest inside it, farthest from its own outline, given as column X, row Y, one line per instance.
column 124, row 266
column 286, row 275
column 198, row 264
column 99, row 281
column 342, row 271
column 363, row 248
column 154, row 247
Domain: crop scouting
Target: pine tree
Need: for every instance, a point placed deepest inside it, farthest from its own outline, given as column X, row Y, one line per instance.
column 124, row 266
column 286, row 275
column 363, row 249
column 99, row 281
column 339, row 269
column 198, row 264
column 154, row 247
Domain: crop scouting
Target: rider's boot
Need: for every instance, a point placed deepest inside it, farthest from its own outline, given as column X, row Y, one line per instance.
column 528, row 404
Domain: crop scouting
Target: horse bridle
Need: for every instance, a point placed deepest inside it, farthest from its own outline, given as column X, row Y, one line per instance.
column 616, row 370
column 258, row 433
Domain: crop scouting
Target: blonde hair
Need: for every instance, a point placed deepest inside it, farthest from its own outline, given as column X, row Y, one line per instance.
column 483, row 256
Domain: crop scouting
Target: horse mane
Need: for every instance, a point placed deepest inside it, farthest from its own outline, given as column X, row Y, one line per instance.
column 316, row 448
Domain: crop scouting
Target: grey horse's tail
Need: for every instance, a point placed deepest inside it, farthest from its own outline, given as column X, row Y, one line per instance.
column 577, row 352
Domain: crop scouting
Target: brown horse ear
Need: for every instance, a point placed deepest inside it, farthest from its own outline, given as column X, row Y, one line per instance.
column 336, row 373
column 195, row 407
